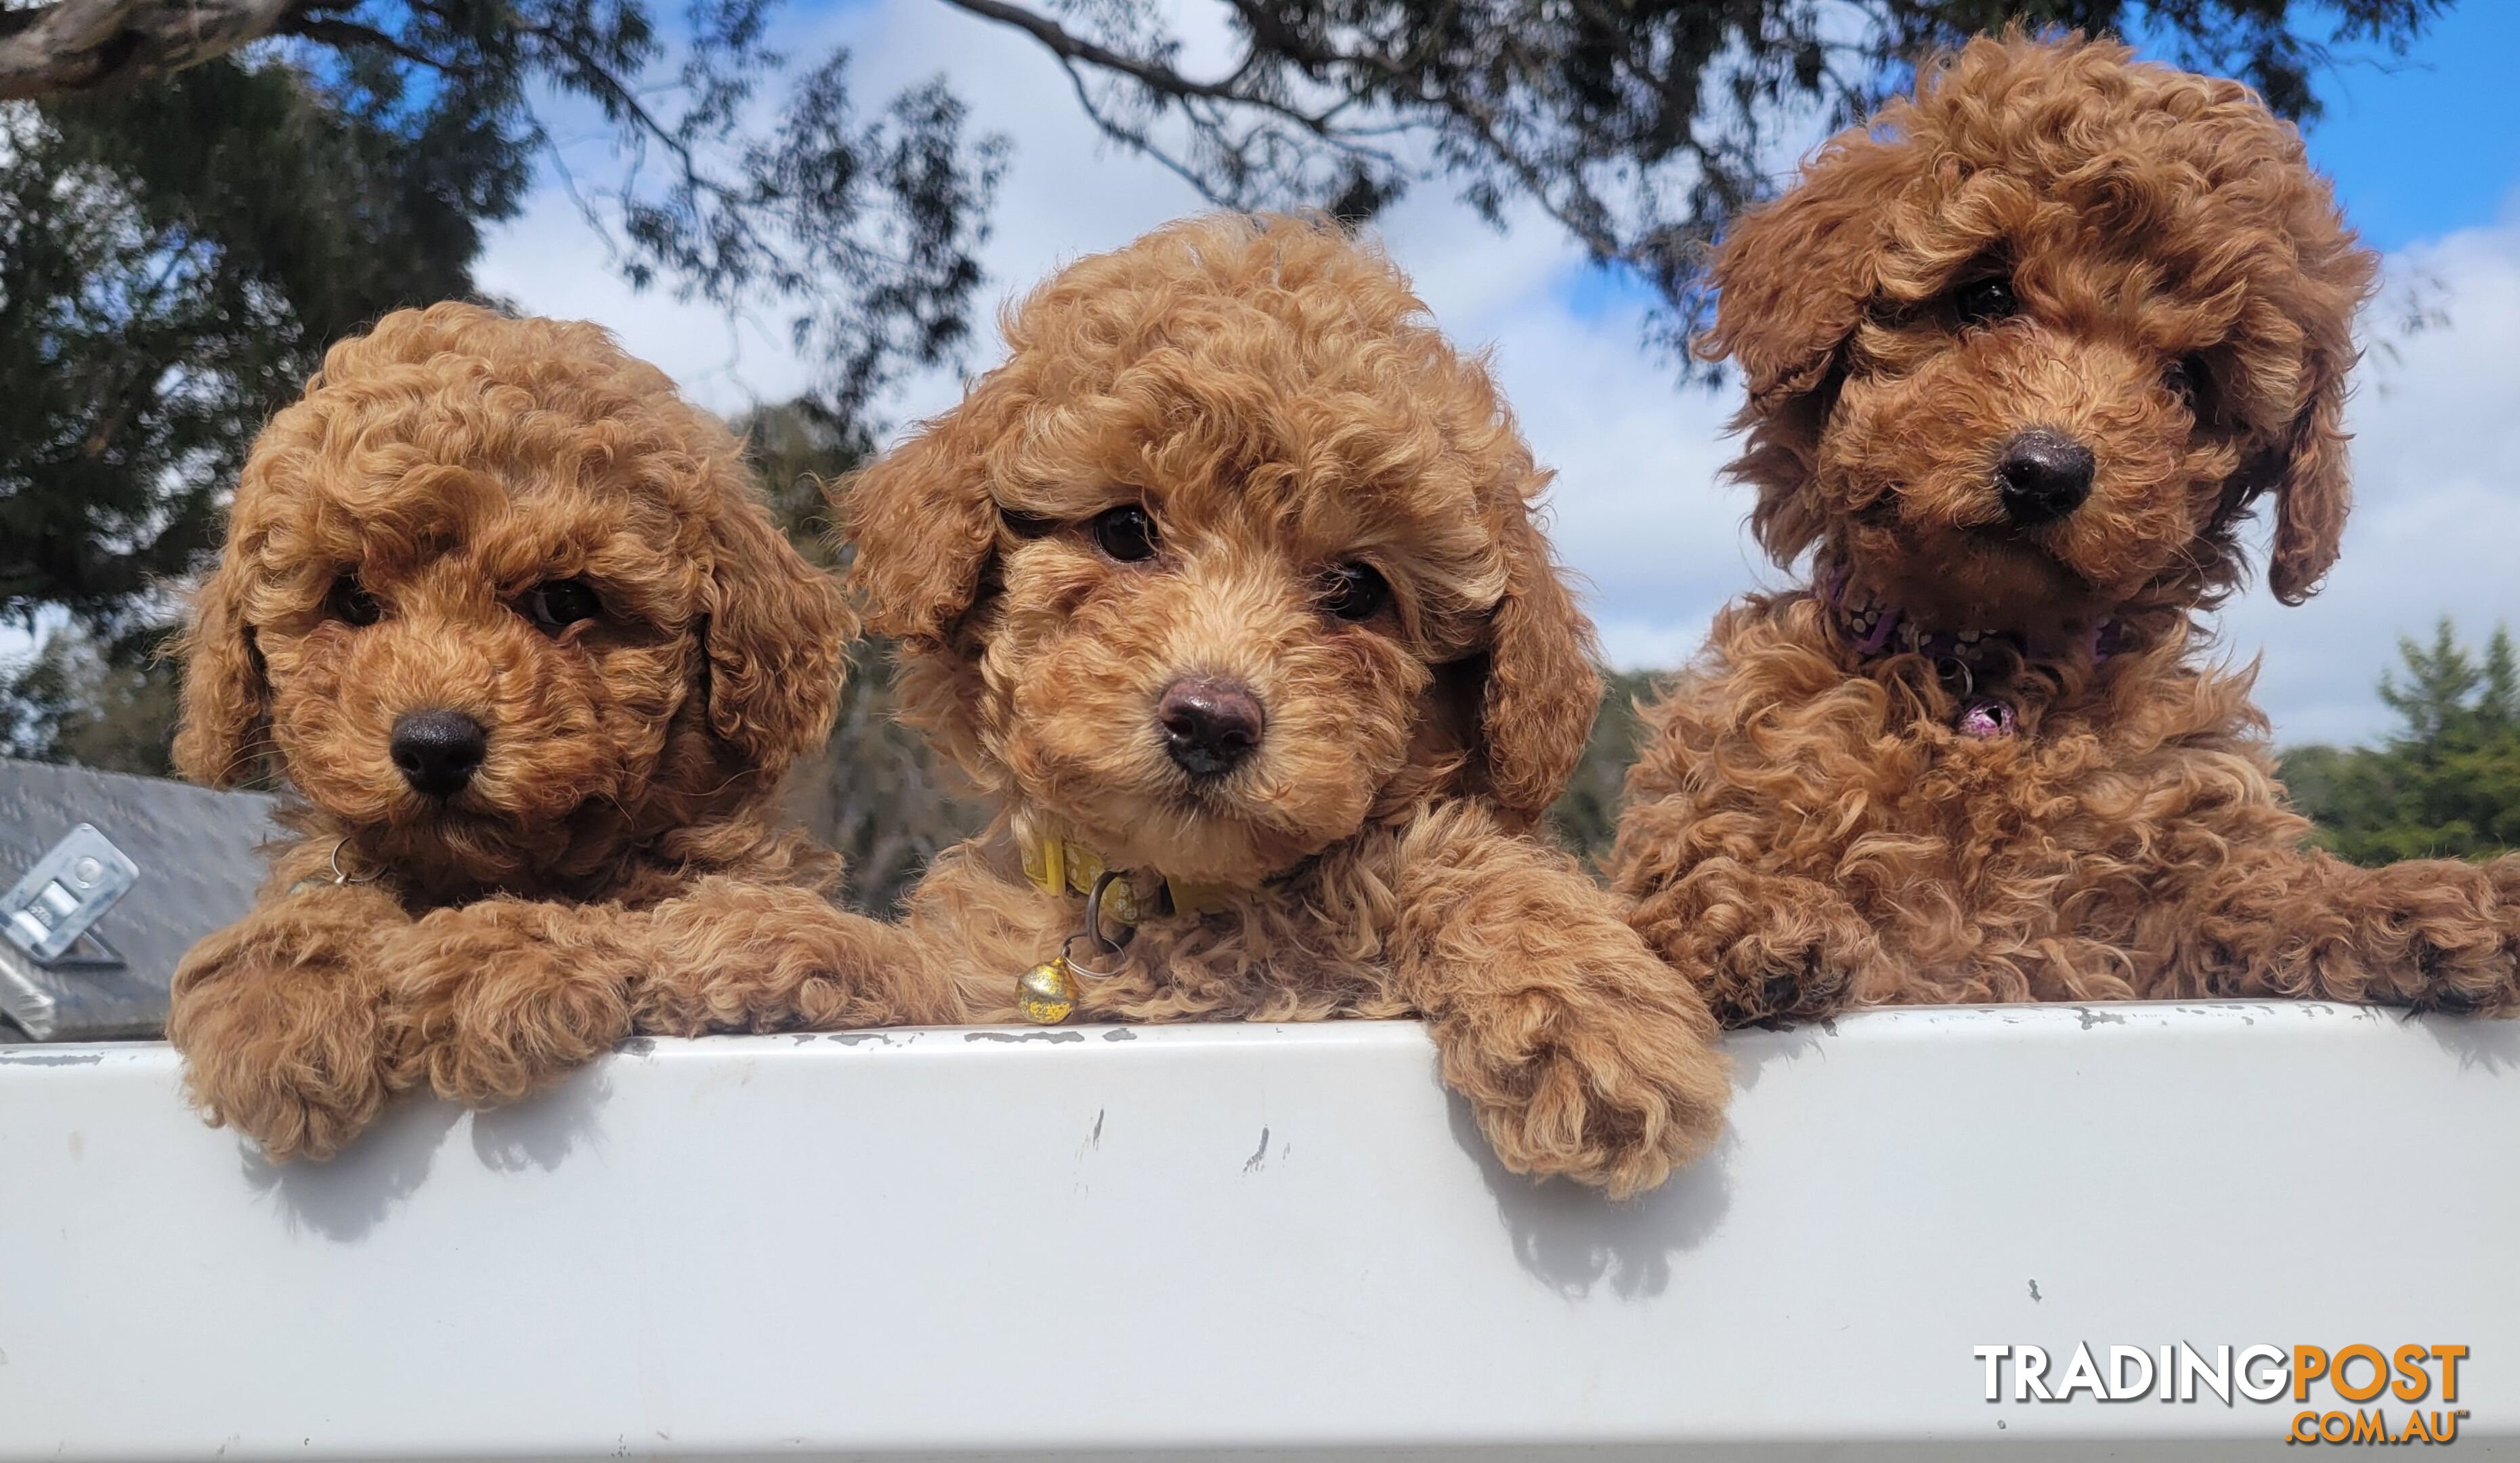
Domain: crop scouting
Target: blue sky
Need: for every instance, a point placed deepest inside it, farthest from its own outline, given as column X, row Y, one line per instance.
column 2431, row 145
column 2425, row 151
column 2419, row 147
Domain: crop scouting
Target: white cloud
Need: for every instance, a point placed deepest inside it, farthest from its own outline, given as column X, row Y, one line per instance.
column 1637, row 509
column 2436, row 526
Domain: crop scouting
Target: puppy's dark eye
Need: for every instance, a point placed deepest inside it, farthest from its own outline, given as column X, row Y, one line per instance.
column 1354, row 591
column 555, row 605
column 1126, row 533
column 2184, row 378
column 352, row 604
column 1984, row 301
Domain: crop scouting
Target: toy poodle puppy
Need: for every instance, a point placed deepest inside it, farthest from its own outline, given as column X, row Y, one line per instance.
column 2020, row 354
column 506, row 614
column 1227, row 586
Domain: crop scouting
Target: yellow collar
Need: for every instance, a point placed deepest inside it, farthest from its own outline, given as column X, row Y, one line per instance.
column 1060, row 866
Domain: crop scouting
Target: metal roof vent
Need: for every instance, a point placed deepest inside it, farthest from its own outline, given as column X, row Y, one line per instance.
column 90, row 934
column 47, row 920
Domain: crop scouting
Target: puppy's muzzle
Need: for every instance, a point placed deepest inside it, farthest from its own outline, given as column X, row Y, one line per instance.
column 1210, row 725
column 438, row 752
column 2044, row 476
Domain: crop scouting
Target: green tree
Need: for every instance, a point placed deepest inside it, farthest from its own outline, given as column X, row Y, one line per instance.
column 196, row 200
column 876, row 792
column 201, row 193
column 2447, row 784
column 1586, row 817
column 196, row 195
column 74, row 700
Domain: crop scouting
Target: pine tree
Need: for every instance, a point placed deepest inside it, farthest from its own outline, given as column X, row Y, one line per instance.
column 2448, row 783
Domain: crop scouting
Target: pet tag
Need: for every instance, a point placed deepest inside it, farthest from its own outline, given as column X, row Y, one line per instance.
column 1986, row 717
column 1047, row 992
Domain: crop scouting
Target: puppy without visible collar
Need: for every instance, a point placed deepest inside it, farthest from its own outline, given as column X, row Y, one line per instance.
column 503, row 614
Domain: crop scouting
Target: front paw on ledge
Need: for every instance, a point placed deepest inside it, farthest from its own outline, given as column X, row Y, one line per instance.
column 302, row 1093
column 1777, row 987
column 485, row 1032
column 1613, row 1111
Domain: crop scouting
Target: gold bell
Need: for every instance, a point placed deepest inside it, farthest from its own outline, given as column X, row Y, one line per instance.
column 1047, row 992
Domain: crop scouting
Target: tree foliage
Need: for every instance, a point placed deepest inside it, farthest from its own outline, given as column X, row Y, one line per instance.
column 177, row 248
column 197, row 195
column 200, row 195
column 876, row 792
column 173, row 259
column 1586, row 817
column 1638, row 127
column 2448, row 783
column 74, row 700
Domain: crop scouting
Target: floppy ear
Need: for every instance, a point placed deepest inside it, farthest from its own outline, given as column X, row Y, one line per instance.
column 2313, row 485
column 776, row 633
column 924, row 526
column 221, row 732
column 1792, row 281
column 2313, row 497
column 1541, row 691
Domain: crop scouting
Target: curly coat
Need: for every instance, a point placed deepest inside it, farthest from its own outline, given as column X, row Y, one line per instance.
column 613, row 863
column 1270, row 398
column 2045, row 793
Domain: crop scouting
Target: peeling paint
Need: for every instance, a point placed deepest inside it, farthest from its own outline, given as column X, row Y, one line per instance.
column 2034, row 1291
column 49, row 1059
column 1096, row 1139
column 1119, row 1034
column 638, row 1046
column 1024, row 1036
column 2091, row 1018
column 859, row 1038
column 1259, row 1158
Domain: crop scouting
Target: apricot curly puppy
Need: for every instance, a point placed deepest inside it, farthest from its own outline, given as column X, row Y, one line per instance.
column 505, row 613
column 2021, row 353
column 1228, row 581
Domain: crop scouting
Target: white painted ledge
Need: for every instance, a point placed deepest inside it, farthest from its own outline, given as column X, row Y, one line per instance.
column 1195, row 1239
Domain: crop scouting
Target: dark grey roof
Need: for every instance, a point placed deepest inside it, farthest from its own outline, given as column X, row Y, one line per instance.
column 199, row 869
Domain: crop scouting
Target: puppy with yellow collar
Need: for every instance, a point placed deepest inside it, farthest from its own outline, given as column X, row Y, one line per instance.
column 1227, row 585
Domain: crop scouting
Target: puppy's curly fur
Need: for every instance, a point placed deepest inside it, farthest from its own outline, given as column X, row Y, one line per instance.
column 612, row 863
column 1271, row 399
column 2054, row 239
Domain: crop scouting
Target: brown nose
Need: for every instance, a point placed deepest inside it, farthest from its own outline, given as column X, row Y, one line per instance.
column 1210, row 724
column 2044, row 476
column 438, row 752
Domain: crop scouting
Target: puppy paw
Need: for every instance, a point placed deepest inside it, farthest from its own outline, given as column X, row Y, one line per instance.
column 493, row 1002
column 2478, row 979
column 733, row 956
column 1613, row 1094
column 1763, row 949
column 287, row 1051
column 1761, row 983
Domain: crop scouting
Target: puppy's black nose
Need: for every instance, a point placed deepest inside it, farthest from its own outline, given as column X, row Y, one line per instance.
column 1210, row 725
column 2044, row 476
column 438, row 752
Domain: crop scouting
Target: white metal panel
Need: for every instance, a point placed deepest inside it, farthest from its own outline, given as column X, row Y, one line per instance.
column 1201, row 1238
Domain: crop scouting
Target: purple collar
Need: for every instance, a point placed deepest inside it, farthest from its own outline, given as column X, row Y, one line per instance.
column 1875, row 628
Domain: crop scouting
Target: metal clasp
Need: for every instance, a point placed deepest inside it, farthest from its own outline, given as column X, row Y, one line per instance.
column 51, row 913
